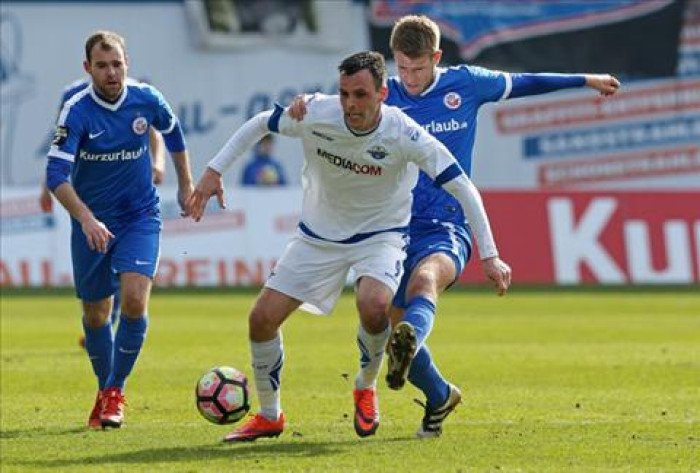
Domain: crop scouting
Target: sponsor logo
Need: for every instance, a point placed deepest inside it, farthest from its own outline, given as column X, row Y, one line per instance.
column 92, row 136
column 378, row 152
column 452, row 100
column 141, row 262
column 439, row 127
column 321, row 135
column 140, row 125
column 121, row 155
column 60, row 135
column 344, row 163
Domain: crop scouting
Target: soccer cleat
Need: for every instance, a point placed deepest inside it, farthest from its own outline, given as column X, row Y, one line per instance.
column 401, row 349
column 256, row 428
column 113, row 402
column 366, row 412
column 94, row 421
column 431, row 425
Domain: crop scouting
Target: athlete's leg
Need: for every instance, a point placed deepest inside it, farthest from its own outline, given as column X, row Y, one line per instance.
column 99, row 339
column 271, row 309
column 373, row 301
column 133, row 324
column 429, row 279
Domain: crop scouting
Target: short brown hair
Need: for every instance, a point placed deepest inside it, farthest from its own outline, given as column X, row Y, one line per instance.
column 415, row 36
column 370, row 60
column 107, row 40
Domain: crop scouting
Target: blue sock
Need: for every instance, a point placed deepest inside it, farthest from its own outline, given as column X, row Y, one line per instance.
column 425, row 376
column 116, row 309
column 127, row 345
column 99, row 343
column 420, row 313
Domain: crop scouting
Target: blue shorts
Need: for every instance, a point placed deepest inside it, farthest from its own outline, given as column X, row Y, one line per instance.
column 135, row 248
column 430, row 236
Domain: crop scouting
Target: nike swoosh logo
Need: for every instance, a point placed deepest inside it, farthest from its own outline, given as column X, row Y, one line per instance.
column 92, row 136
column 141, row 263
column 127, row 352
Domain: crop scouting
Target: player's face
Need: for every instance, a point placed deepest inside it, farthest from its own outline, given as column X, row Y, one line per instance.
column 417, row 73
column 361, row 101
column 108, row 70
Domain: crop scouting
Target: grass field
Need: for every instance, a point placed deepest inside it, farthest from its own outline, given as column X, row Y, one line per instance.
column 554, row 381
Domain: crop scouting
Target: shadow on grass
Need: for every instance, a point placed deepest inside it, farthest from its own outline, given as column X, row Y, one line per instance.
column 39, row 432
column 242, row 451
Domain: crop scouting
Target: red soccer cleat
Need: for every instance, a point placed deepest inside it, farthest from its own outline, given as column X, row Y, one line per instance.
column 113, row 402
column 256, row 428
column 94, row 421
column 366, row 412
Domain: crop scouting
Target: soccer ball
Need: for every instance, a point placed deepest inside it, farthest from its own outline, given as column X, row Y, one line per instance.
column 222, row 395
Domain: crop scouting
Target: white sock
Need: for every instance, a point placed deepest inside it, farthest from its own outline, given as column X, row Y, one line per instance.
column 372, row 348
column 268, row 358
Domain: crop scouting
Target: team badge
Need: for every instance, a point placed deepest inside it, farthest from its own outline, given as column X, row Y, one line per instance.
column 140, row 125
column 413, row 134
column 60, row 135
column 378, row 152
column 452, row 100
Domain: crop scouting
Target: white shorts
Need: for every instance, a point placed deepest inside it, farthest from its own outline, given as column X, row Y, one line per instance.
column 315, row 272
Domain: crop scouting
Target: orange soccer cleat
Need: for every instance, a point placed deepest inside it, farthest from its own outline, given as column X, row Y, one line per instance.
column 366, row 412
column 94, row 421
column 113, row 403
column 256, row 428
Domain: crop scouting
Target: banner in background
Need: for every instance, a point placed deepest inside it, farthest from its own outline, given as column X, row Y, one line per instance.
column 566, row 238
column 539, row 36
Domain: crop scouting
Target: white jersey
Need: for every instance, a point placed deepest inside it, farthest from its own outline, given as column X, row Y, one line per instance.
column 355, row 184
column 359, row 185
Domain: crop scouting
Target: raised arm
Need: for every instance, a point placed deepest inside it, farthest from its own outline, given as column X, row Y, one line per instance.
column 534, row 84
column 210, row 183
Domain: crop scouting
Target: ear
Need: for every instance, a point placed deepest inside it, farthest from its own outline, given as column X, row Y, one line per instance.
column 86, row 66
column 437, row 55
column 383, row 92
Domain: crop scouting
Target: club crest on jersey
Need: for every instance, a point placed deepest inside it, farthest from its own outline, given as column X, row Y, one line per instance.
column 452, row 100
column 140, row 125
column 60, row 135
column 378, row 152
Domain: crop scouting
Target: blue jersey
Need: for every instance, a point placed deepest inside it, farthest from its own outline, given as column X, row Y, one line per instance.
column 108, row 145
column 448, row 111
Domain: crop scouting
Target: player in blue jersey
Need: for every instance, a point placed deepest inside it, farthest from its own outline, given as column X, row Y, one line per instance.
column 445, row 101
column 157, row 152
column 99, row 170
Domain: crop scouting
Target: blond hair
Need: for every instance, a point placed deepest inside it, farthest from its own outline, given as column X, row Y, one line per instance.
column 415, row 36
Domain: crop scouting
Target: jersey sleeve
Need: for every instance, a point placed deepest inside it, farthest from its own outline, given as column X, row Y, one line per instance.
column 426, row 151
column 69, row 131
column 287, row 126
column 164, row 119
column 490, row 85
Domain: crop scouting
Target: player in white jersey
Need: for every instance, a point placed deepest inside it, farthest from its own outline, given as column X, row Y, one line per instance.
column 360, row 160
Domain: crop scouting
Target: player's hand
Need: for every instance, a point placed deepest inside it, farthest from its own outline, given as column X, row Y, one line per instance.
column 604, row 83
column 498, row 272
column 297, row 109
column 183, row 195
column 45, row 200
column 209, row 184
column 97, row 234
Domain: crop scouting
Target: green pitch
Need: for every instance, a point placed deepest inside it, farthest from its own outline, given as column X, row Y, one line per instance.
column 560, row 381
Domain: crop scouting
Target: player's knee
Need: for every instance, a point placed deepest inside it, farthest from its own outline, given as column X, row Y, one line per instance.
column 423, row 282
column 263, row 322
column 134, row 304
column 374, row 313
